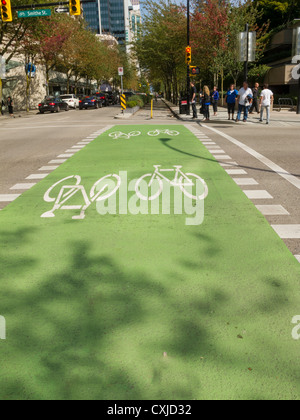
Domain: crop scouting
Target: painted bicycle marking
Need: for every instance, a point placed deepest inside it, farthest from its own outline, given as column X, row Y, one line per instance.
column 181, row 180
column 156, row 133
column 119, row 135
column 68, row 190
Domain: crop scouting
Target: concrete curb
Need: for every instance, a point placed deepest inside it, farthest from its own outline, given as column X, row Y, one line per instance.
column 128, row 113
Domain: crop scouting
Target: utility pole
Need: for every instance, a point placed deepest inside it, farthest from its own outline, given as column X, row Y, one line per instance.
column 188, row 66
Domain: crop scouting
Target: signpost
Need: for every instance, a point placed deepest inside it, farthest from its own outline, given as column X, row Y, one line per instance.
column 34, row 13
column 121, row 74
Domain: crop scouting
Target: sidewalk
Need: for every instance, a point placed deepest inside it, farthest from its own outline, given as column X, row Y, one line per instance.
column 282, row 118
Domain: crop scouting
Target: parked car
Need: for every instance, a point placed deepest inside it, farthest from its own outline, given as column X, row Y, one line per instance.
column 113, row 98
column 103, row 96
column 53, row 104
column 71, row 100
column 90, row 102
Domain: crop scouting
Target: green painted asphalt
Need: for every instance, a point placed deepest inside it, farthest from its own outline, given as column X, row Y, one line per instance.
column 144, row 306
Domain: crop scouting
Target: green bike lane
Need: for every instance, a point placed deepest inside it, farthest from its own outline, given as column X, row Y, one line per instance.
column 124, row 306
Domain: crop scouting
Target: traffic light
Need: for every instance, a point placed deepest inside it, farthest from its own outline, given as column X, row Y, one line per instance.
column 195, row 70
column 6, row 13
column 75, row 8
column 188, row 55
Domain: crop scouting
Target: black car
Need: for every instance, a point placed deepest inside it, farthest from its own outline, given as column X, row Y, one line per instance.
column 90, row 102
column 53, row 104
column 103, row 96
column 113, row 98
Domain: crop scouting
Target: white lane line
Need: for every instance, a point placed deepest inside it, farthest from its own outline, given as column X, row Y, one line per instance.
column 236, row 172
column 297, row 257
column 71, row 151
column 37, row 176
column 216, row 152
column 272, row 210
column 23, row 186
column 48, row 168
column 225, row 157
column 58, row 161
column 257, row 194
column 66, row 155
column 206, row 143
column 8, row 197
column 287, row 231
column 245, row 181
column 78, row 147
column 273, row 166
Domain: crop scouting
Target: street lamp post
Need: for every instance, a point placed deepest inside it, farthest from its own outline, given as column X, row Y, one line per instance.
column 296, row 53
column 188, row 66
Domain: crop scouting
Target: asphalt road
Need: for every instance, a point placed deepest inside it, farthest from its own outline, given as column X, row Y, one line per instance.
column 29, row 143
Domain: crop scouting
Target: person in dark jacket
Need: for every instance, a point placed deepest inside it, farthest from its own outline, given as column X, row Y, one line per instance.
column 10, row 106
column 255, row 102
column 231, row 97
column 215, row 100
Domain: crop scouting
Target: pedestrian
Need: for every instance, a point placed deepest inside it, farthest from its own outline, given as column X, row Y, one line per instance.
column 266, row 100
column 10, row 106
column 245, row 97
column 206, row 103
column 215, row 100
column 194, row 97
column 2, row 107
column 255, row 102
column 231, row 97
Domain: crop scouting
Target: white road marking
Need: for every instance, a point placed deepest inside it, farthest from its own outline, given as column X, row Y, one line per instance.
column 78, row 147
column 48, row 168
column 8, row 197
column 297, row 257
column 273, row 166
column 37, row 176
column 287, row 231
column 257, row 194
column 245, row 181
column 66, row 155
column 71, row 151
column 23, row 186
column 236, row 172
column 58, row 161
column 272, row 210
column 226, row 157
column 215, row 152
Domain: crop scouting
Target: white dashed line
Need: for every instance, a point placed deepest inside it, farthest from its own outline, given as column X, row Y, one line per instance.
column 297, row 257
column 287, row 231
column 236, row 172
column 272, row 210
column 37, row 176
column 23, row 186
column 245, row 181
column 48, row 168
column 8, row 197
column 257, row 194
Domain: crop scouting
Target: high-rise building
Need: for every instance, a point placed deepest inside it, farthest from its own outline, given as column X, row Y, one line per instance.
column 108, row 17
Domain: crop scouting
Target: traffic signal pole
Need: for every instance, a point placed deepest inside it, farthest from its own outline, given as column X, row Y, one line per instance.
column 188, row 66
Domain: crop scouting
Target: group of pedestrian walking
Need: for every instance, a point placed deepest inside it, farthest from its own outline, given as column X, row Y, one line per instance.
column 10, row 106
column 248, row 100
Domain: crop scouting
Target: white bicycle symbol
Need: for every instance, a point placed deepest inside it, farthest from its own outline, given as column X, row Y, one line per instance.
column 180, row 180
column 156, row 133
column 67, row 191
column 119, row 135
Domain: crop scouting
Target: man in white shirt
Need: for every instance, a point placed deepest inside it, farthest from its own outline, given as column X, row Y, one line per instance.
column 266, row 100
column 244, row 98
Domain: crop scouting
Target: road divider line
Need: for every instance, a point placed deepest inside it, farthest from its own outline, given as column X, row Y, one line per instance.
column 48, row 168
column 272, row 210
column 245, row 181
column 8, row 197
column 37, row 176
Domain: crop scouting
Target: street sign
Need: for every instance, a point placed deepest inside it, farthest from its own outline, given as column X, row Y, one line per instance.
column 247, row 41
column 121, row 71
column 195, row 71
column 34, row 13
column 2, row 67
column 123, row 102
column 62, row 10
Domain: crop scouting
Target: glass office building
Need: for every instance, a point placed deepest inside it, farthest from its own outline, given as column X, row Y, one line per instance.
column 108, row 17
